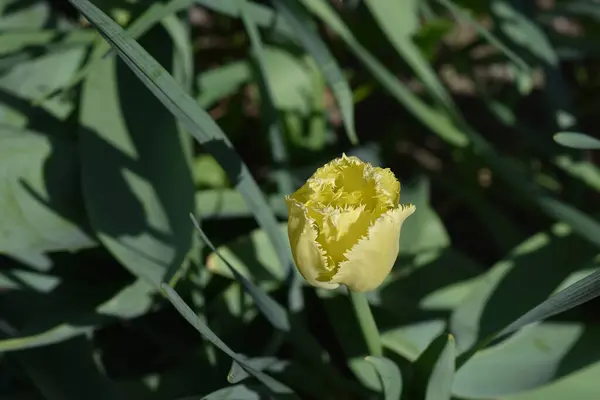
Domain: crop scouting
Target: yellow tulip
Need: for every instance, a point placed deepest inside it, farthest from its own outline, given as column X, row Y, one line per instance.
column 344, row 224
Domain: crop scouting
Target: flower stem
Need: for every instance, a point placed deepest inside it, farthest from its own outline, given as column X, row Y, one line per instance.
column 366, row 322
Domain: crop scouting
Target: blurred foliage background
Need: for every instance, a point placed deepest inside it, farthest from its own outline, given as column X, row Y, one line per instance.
column 460, row 98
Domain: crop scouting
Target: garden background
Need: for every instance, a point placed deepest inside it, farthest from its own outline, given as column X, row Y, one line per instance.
column 119, row 118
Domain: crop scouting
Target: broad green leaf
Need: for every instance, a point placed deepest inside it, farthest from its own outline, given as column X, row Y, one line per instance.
column 389, row 373
column 300, row 22
column 297, row 90
column 532, row 358
column 434, row 369
column 67, row 371
column 237, row 392
column 580, row 385
column 435, row 280
column 273, row 311
column 577, row 140
column 262, row 15
column 433, row 119
column 14, row 41
column 209, row 335
column 229, row 203
column 208, row 172
column 252, row 256
column 136, row 182
column 545, row 258
column 194, row 119
column 30, row 79
column 149, row 18
column 222, row 81
column 425, row 231
column 42, row 208
column 411, row 340
column 16, row 17
column 400, row 22
column 439, row 386
column 65, row 322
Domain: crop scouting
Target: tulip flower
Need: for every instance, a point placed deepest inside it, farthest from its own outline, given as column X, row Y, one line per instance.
column 344, row 225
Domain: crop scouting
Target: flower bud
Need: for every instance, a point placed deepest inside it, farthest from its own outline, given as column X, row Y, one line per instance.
column 344, row 224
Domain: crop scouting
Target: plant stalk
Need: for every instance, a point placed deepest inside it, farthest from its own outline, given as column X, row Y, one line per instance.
column 366, row 321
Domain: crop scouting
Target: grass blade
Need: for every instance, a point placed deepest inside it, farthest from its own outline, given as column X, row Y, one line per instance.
column 580, row 292
column 187, row 313
column 272, row 310
column 434, row 120
column 400, row 22
column 300, row 22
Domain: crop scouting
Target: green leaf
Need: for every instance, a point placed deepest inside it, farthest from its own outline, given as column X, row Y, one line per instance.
column 67, row 371
column 252, row 256
column 545, row 258
column 229, row 203
column 262, row 15
column 273, row 311
column 301, row 22
column 16, row 41
column 578, row 293
column 427, row 231
column 389, row 373
column 30, row 79
column 580, row 385
column 192, row 318
column 39, row 195
column 577, row 140
column 148, row 19
column 137, row 185
column 194, row 119
column 237, row 392
column 74, row 315
column 279, row 152
column 400, row 23
column 15, row 17
column 433, row 119
column 546, row 353
column 218, row 83
column 434, row 370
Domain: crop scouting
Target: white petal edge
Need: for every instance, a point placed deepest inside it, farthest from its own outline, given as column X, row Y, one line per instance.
column 371, row 260
column 308, row 254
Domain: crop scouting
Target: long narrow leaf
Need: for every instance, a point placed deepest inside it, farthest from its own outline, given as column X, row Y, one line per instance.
column 572, row 296
column 187, row 313
column 434, row 120
column 272, row 310
column 194, row 119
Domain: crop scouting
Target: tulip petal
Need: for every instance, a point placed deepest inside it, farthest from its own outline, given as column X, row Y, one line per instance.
column 308, row 254
column 370, row 260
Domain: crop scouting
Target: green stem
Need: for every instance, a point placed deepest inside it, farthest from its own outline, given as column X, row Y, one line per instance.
column 366, row 322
